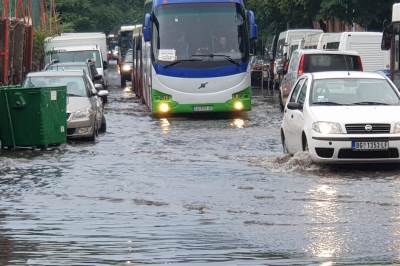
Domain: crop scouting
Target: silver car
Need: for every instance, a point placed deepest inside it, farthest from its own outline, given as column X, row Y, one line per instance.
column 85, row 110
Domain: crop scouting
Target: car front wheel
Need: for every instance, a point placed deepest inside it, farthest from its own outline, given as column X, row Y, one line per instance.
column 103, row 126
column 284, row 146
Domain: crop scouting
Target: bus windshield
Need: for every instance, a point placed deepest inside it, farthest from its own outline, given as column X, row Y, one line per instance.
column 200, row 35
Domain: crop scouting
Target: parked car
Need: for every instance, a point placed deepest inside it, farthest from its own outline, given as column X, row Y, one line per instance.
column 85, row 110
column 126, row 70
column 343, row 117
column 311, row 60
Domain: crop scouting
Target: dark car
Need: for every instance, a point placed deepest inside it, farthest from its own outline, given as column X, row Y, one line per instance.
column 127, row 68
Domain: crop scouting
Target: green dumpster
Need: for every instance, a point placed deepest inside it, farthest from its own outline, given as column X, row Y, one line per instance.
column 33, row 117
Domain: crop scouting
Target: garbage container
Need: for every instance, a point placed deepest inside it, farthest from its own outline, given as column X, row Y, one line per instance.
column 33, row 117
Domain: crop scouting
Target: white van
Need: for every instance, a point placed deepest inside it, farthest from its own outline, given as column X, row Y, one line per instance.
column 285, row 38
column 312, row 40
column 78, row 47
column 366, row 44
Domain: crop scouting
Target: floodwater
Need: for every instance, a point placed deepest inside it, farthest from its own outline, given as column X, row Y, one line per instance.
column 193, row 191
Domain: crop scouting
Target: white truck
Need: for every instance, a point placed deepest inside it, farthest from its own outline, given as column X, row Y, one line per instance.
column 78, row 47
column 366, row 44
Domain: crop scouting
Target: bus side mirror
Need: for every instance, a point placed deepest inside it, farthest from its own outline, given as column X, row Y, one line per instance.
column 252, row 25
column 387, row 37
column 147, row 28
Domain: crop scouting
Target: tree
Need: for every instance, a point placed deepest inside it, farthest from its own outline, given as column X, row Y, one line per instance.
column 99, row 15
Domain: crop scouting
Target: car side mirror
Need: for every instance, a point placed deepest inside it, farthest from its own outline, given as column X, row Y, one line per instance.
column 98, row 87
column 105, row 65
column 294, row 106
column 103, row 93
column 147, row 28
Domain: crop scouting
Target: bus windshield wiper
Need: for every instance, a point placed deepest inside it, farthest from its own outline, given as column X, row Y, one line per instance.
column 327, row 103
column 227, row 57
column 181, row 61
column 369, row 103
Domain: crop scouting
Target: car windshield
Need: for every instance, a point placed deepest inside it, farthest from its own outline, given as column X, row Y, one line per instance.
column 353, row 91
column 77, row 56
column 331, row 62
column 75, row 85
column 68, row 68
column 186, row 31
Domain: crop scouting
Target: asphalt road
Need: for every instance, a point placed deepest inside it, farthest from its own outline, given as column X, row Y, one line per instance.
column 193, row 191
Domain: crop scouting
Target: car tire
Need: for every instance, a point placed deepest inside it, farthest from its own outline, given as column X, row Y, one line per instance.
column 284, row 146
column 281, row 107
column 305, row 143
column 103, row 126
column 94, row 134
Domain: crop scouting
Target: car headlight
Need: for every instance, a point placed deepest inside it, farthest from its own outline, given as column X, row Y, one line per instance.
column 126, row 67
column 327, row 128
column 81, row 115
column 396, row 129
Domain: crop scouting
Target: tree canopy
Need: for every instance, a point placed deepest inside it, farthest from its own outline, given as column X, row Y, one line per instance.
column 278, row 15
column 272, row 15
column 99, row 15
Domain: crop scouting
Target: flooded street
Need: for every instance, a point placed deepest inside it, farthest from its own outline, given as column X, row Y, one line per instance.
column 193, row 191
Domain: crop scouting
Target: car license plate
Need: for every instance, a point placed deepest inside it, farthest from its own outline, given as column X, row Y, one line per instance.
column 203, row 108
column 370, row 145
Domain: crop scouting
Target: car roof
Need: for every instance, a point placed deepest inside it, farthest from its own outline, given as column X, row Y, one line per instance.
column 76, row 48
column 69, row 64
column 346, row 74
column 57, row 74
column 316, row 51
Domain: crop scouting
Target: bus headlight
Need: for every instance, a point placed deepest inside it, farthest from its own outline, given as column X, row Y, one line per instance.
column 238, row 106
column 164, row 108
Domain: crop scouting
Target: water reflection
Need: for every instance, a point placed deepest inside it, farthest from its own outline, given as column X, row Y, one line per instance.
column 323, row 211
column 165, row 125
column 238, row 123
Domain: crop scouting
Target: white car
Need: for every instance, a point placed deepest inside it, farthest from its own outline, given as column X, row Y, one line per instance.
column 341, row 117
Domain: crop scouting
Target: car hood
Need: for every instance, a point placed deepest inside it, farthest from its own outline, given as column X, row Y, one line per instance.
column 356, row 114
column 77, row 103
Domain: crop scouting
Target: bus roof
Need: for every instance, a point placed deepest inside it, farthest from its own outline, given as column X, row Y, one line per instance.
column 166, row 2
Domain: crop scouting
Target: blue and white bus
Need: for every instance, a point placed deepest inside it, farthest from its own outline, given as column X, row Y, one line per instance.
column 196, row 56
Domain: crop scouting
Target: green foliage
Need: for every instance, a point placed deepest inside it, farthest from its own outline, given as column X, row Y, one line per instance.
column 98, row 15
column 38, row 49
column 277, row 15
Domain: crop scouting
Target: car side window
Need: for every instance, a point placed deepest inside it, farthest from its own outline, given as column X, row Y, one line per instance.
column 296, row 90
column 303, row 92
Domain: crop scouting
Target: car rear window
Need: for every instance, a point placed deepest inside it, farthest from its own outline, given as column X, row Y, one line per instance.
column 331, row 62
